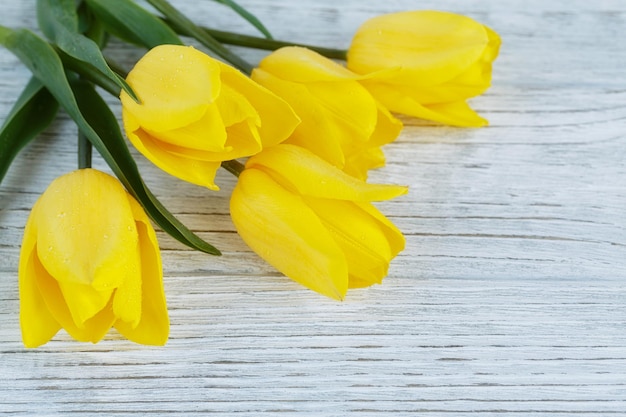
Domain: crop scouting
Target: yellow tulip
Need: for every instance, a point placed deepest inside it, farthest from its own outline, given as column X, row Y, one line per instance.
column 340, row 120
column 426, row 64
column 196, row 112
column 313, row 222
column 90, row 261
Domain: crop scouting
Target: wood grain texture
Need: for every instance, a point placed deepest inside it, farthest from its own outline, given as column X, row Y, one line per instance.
column 510, row 298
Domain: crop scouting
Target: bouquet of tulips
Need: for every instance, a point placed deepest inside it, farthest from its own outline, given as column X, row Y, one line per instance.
column 300, row 130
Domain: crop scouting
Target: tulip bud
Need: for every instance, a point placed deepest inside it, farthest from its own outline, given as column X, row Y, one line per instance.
column 313, row 222
column 425, row 64
column 340, row 120
column 90, row 261
column 196, row 112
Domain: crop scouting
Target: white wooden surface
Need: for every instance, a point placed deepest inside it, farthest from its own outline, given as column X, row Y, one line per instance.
column 510, row 298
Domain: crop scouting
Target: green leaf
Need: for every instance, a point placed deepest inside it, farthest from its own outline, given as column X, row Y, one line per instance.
column 89, row 73
column 131, row 23
column 182, row 24
column 90, row 26
column 33, row 111
column 58, row 20
column 252, row 19
column 46, row 65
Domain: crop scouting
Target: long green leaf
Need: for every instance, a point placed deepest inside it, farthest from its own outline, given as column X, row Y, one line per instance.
column 252, row 19
column 58, row 20
column 46, row 65
column 86, row 71
column 90, row 26
column 129, row 22
column 33, row 111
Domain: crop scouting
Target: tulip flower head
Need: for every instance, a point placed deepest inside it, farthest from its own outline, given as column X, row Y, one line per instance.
column 90, row 261
column 313, row 222
column 196, row 112
column 340, row 120
column 426, row 64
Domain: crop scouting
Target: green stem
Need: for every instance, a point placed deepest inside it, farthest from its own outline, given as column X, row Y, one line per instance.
column 186, row 27
column 257, row 42
column 233, row 166
column 116, row 68
column 84, row 151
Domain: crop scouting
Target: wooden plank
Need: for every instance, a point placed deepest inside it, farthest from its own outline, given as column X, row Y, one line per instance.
column 508, row 300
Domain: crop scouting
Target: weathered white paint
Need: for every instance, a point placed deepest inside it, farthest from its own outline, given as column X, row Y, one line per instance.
column 510, row 298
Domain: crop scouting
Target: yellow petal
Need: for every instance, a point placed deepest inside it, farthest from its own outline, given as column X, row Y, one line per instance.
column 303, row 65
column 472, row 82
column 175, row 85
column 191, row 170
column 393, row 234
column 83, row 301
column 92, row 330
column 363, row 239
column 278, row 119
column 127, row 299
column 355, row 282
column 153, row 327
column 388, row 128
column 351, row 105
column 360, row 158
column 430, row 47
column 301, row 171
column 283, row 230
column 332, row 92
column 244, row 139
column 85, row 229
column 317, row 131
column 456, row 113
column 37, row 323
column 358, row 164
column 235, row 107
column 493, row 47
column 206, row 134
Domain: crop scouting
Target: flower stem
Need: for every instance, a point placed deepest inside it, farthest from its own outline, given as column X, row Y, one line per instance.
column 84, row 151
column 257, row 42
column 233, row 166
